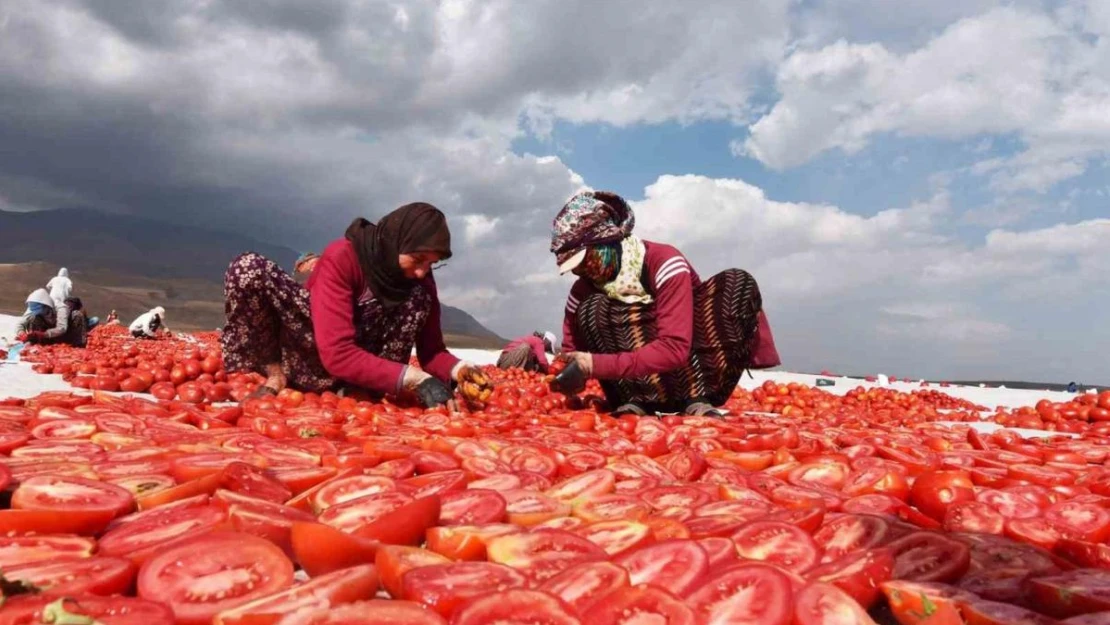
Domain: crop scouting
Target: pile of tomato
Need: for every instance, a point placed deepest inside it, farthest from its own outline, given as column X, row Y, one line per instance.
column 801, row 508
column 167, row 367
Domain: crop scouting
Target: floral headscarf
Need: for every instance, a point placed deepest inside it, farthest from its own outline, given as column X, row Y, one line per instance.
column 590, row 218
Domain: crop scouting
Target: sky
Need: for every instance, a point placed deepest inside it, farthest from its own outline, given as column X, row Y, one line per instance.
column 920, row 187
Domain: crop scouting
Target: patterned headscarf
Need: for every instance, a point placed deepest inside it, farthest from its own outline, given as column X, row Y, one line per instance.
column 589, row 218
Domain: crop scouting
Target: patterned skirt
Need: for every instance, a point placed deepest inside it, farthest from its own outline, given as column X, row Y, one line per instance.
column 726, row 310
column 520, row 357
column 269, row 320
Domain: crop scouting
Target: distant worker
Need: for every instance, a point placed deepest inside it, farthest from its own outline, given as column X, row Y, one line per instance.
column 149, row 324
column 1073, row 387
column 642, row 322
column 60, row 286
column 46, row 321
column 528, row 352
column 113, row 319
column 304, row 265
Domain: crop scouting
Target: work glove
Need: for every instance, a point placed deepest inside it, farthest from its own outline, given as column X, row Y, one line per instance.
column 473, row 384
column 431, row 393
column 571, row 381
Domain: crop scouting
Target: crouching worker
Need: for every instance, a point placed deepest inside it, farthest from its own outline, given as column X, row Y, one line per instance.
column 528, row 353
column 641, row 321
column 149, row 324
column 370, row 298
column 47, row 321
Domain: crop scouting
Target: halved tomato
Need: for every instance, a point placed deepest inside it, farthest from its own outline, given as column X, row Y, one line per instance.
column 929, row 557
column 320, row 593
column 824, row 604
column 677, row 565
column 20, row 550
column 859, row 574
column 203, row 576
column 466, row 542
column 747, row 593
column 640, row 604
column 925, row 603
column 515, row 607
column 348, row 488
column 349, row 516
column 62, row 494
column 251, row 481
column 394, row 561
column 28, row 610
column 139, row 540
column 373, row 612
column 542, row 554
column 617, row 537
column 583, row 585
column 98, row 575
column 321, row 549
column 472, row 507
column 784, row 545
column 981, row 612
column 444, row 587
column 849, row 533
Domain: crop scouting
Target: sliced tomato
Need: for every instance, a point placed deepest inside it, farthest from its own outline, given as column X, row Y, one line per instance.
column 583, row 585
column 677, row 565
column 824, row 604
column 641, row 604
column 31, row 610
column 321, row 549
column 404, row 525
column 859, row 574
column 374, row 612
column 1071, row 593
column 20, row 550
column 849, row 533
column 747, row 593
column 515, row 607
column 1083, row 554
column 529, row 508
column 203, row 486
column 617, row 537
column 251, row 481
column 981, row 612
column 925, row 603
column 929, row 557
column 934, row 491
column 349, row 516
column 542, row 554
column 784, row 545
column 61, row 494
column 441, row 483
column 348, row 488
column 1034, row 531
column 444, row 587
column 81, row 522
column 1010, row 505
column 139, row 540
column 320, row 593
column 472, row 507
column 1082, row 521
column 394, row 561
column 466, row 542
column 808, row 519
column 973, row 516
column 203, row 576
column 98, row 575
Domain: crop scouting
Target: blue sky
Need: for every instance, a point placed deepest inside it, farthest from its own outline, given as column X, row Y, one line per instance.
column 920, row 187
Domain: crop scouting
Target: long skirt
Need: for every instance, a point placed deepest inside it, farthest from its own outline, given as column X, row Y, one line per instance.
column 726, row 310
column 269, row 320
column 520, row 357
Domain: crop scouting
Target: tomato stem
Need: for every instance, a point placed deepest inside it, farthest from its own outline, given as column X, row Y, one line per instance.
column 56, row 614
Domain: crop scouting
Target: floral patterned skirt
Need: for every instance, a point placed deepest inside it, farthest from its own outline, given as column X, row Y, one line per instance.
column 269, row 320
column 726, row 309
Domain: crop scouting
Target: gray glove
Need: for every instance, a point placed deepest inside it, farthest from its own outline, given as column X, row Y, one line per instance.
column 571, row 381
column 432, row 393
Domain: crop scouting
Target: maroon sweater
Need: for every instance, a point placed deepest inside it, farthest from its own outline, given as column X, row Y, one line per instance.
column 335, row 285
column 672, row 280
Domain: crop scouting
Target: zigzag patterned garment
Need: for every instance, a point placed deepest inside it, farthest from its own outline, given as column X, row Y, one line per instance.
column 726, row 310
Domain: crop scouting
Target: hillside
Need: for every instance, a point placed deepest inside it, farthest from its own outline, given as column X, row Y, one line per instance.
column 132, row 265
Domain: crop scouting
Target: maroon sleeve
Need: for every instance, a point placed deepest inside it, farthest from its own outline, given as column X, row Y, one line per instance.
column 570, row 314
column 674, row 307
column 335, row 282
column 541, row 354
column 431, row 351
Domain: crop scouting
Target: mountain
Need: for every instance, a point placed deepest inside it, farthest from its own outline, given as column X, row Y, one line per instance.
column 131, row 265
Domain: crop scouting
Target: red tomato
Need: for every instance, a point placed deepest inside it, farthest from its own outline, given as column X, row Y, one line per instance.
column 20, row 550
column 677, row 565
column 748, row 593
column 323, row 592
column 980, row 612
column 356, row 513
column 472, row 507
column 925, row 603
column 203, row 576
column 250, row 481
column 393, row 562
column 541, row 555
column 445, row 587
column 859, row 574
column 824, row 604
column 787, row 546
column 61, row 494
column 81, row 522
column 30, row 610
column 515, row 607
column 972, row 516
column 630, row 605
column 1082, row 521
column 929, row 557
column 935, row 491
column 583, row 585
column 617, row 537
column 98, row 575
column 1072, row 593
column 374, row 612
column 849, row 533
column 320, row 549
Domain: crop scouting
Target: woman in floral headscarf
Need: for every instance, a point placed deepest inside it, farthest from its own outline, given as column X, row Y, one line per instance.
column 641, row 321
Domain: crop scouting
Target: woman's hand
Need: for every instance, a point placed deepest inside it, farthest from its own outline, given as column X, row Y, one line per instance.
column 585, row 362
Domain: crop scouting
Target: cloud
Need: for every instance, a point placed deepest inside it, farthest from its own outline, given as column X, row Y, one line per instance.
column 1011, row 69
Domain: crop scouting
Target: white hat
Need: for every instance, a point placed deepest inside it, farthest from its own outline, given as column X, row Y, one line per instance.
column 550, row 339
column 158, row 310
column 40, row 296
column 572, row 263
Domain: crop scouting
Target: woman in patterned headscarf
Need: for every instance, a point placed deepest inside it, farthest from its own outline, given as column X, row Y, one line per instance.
column 641, row 321
column 369, row 300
